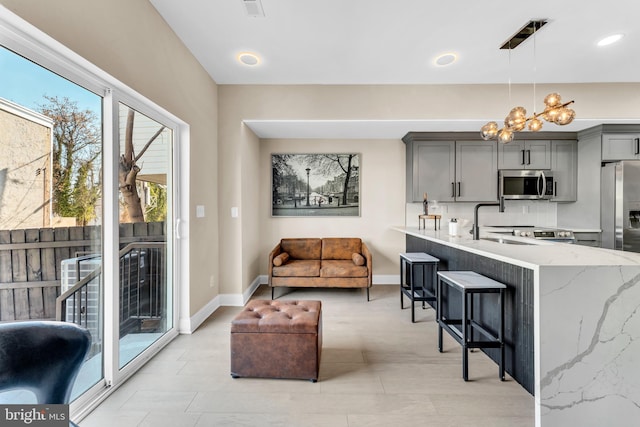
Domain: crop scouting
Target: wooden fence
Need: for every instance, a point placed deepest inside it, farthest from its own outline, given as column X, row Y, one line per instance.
column 30, row 263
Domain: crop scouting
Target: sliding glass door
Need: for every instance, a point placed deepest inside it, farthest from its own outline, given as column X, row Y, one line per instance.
column 144, row 260
column 88, row 185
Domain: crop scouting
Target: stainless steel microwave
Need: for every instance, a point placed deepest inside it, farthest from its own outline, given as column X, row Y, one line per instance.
column 525, row 184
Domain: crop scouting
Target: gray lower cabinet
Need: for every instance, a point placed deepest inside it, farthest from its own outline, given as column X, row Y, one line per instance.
column 564, row 165
column 451, row 170
column 620, row 146
column 525, row 154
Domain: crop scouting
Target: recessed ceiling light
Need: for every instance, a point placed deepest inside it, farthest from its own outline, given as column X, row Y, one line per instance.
column 248, row 58
column 610, row 39
column 446, row 59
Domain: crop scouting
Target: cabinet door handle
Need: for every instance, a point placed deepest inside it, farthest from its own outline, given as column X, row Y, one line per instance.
column 522, row 162
column 637, row 146
column 555, row 189
column 528, row 157
column 458, row 188
column 453, row 189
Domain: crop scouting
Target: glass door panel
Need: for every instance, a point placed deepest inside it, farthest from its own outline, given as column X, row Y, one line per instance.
column 51, row 197
column 145, row 188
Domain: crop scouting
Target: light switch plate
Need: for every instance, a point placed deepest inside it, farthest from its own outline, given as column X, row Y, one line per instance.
column 234, row 212
column 199, row 211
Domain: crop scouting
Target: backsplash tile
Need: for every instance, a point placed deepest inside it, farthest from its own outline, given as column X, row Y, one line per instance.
column 517, row 212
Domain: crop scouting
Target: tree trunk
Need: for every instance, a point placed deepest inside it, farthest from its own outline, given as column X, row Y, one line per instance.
column 127, row 173
column 346, row 181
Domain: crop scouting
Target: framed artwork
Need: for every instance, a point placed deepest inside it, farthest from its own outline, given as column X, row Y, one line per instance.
column 315, row 185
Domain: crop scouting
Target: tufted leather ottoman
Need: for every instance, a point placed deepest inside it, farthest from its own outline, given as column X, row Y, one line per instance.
column 277, row 339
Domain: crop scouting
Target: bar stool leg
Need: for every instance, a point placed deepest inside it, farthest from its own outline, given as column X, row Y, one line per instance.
column 402, row 281
column 501, row 334
column 439, row 312
column 413, row 289
column 465, row 349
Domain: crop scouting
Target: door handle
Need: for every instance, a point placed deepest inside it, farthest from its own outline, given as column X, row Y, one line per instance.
column 528, row 157
column 522, row 161
column 544, row 184
column 637, row 140
column 555, row 189
column 453, row 189
column 458, row 188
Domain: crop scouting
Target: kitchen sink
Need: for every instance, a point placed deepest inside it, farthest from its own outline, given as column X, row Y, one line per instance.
column 507, row 241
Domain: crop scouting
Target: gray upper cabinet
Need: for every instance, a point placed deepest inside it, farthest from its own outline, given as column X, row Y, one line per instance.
column 476, row 171
column 527, row 154
column 564, row 165
column 620, row 146
column 433, row 170
column 451, row 170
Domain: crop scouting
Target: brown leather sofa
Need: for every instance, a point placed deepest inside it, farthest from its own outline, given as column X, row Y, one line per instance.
column 334, row 262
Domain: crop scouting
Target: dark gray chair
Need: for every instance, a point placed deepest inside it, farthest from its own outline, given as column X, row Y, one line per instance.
column 43, row 357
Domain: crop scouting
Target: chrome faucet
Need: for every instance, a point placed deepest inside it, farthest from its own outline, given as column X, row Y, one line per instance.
column 476, row 227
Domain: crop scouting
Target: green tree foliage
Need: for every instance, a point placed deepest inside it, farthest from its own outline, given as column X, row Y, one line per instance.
column 157, row 210
column 77, row 143
column 85, row 194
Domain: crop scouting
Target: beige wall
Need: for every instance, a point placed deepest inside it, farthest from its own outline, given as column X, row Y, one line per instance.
column 129, row 40
column 382, row 183
column 245, row 180
column 24, row 193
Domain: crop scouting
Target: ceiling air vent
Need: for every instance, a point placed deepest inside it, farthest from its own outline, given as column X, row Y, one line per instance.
column 523, row 33
column 253, row 8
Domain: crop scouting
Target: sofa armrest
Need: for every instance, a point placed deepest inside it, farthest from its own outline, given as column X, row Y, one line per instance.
column 367, row 254
column 274, row 253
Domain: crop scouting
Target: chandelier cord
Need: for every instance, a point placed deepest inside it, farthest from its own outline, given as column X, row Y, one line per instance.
column 509, row 80
column 535, row 69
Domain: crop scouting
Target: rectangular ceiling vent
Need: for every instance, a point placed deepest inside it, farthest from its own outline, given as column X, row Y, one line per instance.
column 253, row 8
column 523, row 34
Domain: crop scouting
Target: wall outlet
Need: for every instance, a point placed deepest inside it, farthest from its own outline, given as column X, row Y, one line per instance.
column 212, row 281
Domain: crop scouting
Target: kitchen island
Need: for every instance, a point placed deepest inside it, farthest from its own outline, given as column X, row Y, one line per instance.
column 582, row 305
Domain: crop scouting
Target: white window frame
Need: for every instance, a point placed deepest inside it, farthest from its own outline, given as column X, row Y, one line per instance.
column 28, row 41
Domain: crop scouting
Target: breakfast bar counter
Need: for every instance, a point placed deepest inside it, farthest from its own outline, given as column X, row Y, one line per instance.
column 575, row 315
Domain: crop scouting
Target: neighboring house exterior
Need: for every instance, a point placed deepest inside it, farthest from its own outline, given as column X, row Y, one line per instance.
column 25, row 167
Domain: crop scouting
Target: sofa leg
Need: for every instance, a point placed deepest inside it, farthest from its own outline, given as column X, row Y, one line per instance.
column 367, row 294
column 272, row 288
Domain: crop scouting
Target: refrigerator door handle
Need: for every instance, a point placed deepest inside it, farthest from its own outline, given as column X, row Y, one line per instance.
column 637, row 141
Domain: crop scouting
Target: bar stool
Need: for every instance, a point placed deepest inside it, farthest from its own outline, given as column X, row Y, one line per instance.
column 470, row 283
column 423, row 291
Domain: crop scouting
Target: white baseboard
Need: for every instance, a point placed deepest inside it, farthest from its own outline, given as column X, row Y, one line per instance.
column 386, row 279
column 189, row 325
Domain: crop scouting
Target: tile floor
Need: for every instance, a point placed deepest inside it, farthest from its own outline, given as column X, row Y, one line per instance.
column 377, row 369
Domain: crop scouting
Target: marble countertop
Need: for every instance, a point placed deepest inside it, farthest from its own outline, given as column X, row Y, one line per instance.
column 542, row 253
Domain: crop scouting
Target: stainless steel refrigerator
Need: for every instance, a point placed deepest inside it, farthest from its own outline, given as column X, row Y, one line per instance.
column 620, row 205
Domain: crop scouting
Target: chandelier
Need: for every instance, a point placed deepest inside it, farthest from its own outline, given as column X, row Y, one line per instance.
column 555, row 110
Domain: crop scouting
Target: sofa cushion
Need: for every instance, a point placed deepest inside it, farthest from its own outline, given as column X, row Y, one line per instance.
column 302, row 248
column 281, row 259
column 340, row 247
column 358, row 259
column 298, row 268
column 342, row 268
